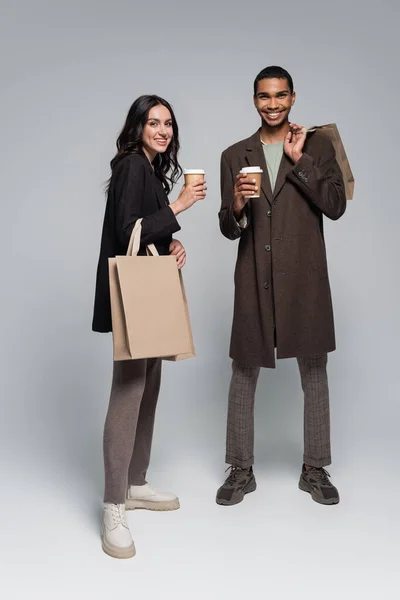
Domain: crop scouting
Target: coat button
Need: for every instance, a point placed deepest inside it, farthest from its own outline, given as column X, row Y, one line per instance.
column 267, row 248
column 266, row 285
column 269, row 213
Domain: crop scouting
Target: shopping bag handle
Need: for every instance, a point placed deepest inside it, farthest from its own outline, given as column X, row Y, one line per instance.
column 151, row 250
column 134, row 242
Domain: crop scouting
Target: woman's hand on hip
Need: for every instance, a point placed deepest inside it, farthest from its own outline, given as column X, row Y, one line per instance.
column 176, row 249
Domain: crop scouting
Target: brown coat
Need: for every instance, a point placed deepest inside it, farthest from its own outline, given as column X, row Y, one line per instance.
column 281, row 277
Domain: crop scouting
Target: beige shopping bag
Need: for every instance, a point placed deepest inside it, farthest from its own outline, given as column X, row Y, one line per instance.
column 332, row 133
column 149, row 311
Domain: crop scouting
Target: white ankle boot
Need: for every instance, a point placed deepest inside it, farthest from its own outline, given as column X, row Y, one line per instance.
column 115, row 535
column 143, row 496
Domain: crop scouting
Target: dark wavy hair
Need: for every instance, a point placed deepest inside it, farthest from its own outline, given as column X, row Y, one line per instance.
column 166, row 165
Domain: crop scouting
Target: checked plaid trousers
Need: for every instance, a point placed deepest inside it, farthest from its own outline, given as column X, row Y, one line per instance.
column 240, row 426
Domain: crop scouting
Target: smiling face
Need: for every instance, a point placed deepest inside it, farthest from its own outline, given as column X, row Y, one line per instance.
column 157, row 132
column 274, row 101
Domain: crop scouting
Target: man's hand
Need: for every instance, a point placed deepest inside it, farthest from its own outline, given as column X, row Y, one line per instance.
column 294, row 142
column 176, row 249
column 244, row 189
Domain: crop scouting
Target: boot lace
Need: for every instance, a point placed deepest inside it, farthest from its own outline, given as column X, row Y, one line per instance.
column 118, row 514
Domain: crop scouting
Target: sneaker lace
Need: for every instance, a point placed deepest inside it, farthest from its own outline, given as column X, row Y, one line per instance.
column 233, row 475
column 118, row 514
column 321, row 475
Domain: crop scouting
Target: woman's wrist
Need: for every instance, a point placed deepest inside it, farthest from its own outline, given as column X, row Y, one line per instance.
column 175, row 207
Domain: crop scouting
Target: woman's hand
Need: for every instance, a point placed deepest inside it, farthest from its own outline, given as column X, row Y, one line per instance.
column 176, row 249
column 189, row 195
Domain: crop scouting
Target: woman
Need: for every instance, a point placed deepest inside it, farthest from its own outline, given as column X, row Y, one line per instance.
column 144, row 170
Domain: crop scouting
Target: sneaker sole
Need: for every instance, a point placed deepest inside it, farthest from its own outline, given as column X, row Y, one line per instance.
column 131, row 504
column 305, row 487
column 116, row 552
column 251, row 487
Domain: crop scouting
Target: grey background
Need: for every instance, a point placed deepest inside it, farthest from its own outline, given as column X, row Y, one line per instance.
column 69, row 73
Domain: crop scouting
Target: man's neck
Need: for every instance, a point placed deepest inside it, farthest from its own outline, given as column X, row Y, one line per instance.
column 272, row 135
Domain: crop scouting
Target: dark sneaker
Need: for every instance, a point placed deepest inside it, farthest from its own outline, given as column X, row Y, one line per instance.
column 238, row 483
column 316, row 482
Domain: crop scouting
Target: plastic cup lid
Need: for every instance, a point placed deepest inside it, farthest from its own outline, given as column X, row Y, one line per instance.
column 193, row 172
column 251, row 170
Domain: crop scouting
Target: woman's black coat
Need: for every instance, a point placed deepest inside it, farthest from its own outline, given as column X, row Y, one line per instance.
column 135, row 191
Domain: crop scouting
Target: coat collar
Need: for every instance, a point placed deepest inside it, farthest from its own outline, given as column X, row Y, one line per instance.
column 255, row 157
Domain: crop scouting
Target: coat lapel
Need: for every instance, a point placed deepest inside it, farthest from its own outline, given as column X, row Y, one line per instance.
column 161, row 196
column 255, row 158
column 284, row 168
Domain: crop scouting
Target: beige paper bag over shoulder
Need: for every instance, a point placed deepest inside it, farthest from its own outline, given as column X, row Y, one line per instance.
column 149, row 311
column 332, row 133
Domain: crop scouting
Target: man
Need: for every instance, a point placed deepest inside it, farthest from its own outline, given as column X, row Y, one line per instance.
column 282, row 292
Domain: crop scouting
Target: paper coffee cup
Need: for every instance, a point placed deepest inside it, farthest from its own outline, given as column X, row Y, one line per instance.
column 254, row 173
column 193, row 175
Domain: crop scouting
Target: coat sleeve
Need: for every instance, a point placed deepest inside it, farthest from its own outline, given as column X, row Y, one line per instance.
column 229, row 226
column 129, row 196
column 321, row 182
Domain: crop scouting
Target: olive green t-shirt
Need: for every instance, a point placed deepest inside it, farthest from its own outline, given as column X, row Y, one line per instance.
column 273, row 156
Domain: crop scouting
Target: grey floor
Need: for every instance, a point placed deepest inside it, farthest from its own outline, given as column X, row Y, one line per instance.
column 278, row 543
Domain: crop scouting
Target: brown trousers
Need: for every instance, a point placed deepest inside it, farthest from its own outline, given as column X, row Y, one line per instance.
column 128, row 430
column 240, row 427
